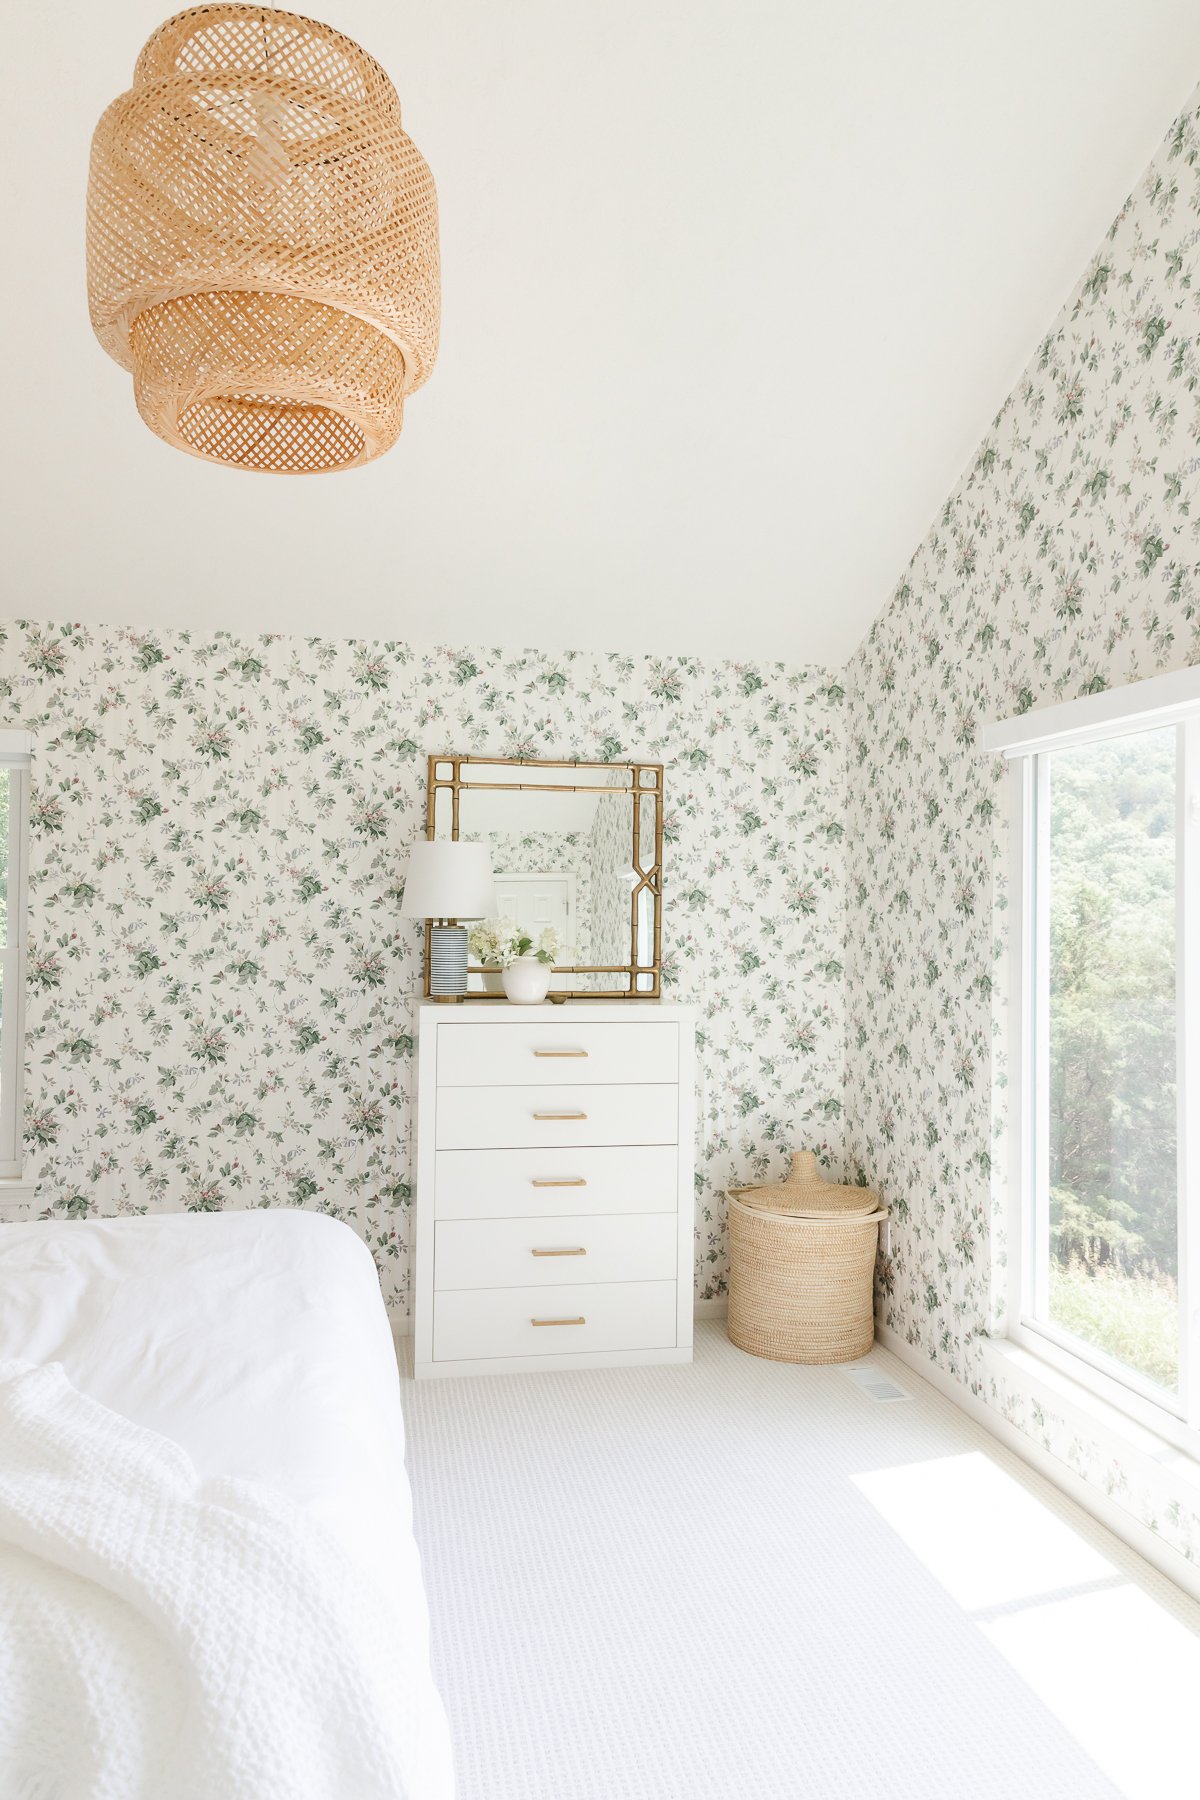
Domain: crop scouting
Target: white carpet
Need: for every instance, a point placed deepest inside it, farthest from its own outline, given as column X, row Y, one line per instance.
column 743, row 1581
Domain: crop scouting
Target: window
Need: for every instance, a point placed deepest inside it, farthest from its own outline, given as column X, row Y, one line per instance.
column 14, row 828
column 1106, row 1241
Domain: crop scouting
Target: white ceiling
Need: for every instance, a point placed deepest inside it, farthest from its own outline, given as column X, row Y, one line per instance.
column 731, row 290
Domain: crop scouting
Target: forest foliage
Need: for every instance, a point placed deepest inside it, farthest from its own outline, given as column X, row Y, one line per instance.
column 1112, row 1049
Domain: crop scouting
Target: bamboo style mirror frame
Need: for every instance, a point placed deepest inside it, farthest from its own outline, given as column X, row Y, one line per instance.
column 578, row 845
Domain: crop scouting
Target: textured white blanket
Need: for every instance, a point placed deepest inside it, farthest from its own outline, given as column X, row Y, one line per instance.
column 164, row 1637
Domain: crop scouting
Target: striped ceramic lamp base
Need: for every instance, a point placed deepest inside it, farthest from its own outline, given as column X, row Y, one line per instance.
column 447, row 961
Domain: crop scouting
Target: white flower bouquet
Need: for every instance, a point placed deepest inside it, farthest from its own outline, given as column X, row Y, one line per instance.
column 500, row 943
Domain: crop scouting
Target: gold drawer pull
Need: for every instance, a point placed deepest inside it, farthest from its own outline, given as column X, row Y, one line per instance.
column 560, row 1115
column 564, row 1181
column 579, row 1321
column 558, row 1253
column 560, row 1053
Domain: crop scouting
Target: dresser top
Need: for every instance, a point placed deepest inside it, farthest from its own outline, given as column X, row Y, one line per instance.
column 570, row 1012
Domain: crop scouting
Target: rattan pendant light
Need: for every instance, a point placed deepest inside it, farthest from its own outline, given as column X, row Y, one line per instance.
column 262, row 244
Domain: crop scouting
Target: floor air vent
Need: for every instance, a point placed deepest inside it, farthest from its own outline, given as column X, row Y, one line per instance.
column 874, row 1383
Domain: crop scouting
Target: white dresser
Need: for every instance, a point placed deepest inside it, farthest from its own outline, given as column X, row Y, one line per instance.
column 555, row 1207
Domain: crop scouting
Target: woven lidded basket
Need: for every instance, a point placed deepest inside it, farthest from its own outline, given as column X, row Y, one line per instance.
column 802, row 1263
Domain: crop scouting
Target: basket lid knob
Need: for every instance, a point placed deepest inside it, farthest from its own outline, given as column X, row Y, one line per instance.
column 805, row 1166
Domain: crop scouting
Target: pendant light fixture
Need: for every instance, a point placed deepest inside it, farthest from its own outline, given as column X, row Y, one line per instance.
column 262, row 249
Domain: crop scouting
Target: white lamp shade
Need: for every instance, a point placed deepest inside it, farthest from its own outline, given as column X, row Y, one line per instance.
column 448, row 880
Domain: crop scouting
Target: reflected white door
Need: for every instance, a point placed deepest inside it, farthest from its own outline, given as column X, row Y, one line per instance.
column 535, row 901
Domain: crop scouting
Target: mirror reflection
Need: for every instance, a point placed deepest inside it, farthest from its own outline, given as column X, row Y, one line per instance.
column 565, row 855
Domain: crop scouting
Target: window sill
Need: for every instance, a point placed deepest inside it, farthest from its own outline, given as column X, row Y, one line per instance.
column 1154, row 1457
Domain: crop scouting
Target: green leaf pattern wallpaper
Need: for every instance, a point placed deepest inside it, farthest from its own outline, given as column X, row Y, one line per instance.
column 1065, row 562
column 221, row 987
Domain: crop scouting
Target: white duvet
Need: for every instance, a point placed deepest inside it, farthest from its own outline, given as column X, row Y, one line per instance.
column 251, row 1349
column 166, row 1636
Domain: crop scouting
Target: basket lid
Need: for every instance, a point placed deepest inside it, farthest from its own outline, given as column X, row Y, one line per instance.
column 807, row 1194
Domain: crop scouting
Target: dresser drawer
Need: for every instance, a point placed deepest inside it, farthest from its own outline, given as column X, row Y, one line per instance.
column 497, row 1253
column 541, row 1184
column 555, row 1117
column 492, row 1322
column 534, row 1052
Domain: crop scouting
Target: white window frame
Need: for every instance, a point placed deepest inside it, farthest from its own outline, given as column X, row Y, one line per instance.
column 1163, row 700
column 14, row 756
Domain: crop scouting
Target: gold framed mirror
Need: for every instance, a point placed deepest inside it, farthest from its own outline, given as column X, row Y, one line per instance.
column 574, row 845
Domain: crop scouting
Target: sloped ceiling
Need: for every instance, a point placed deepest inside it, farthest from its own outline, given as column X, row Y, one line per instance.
column 731, row 291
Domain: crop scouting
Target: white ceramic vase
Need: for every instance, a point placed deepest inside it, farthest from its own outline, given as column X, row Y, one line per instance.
column 527, row 980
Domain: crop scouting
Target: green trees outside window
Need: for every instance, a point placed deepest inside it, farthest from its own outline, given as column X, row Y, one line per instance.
column 1111, row 1100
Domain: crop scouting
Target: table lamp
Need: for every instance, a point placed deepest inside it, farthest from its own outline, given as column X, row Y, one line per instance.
column 448, row 881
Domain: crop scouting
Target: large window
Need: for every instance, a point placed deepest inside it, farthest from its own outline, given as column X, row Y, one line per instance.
column 14, row 764
column 1106, row 1241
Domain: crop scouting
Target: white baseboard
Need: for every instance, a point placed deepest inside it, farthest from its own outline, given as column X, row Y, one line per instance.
column 1122, row 1524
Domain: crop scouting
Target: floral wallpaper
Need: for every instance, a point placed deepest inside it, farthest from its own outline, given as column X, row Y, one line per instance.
column 610, row 851
column 221, row 988
column 1066, row 561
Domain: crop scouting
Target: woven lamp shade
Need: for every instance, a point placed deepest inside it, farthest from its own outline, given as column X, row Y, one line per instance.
column 262, row 247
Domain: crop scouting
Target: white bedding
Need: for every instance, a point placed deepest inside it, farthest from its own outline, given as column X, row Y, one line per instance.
column 258, row 1343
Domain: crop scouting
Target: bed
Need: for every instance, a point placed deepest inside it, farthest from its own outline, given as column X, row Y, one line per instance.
column 256, row 1343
